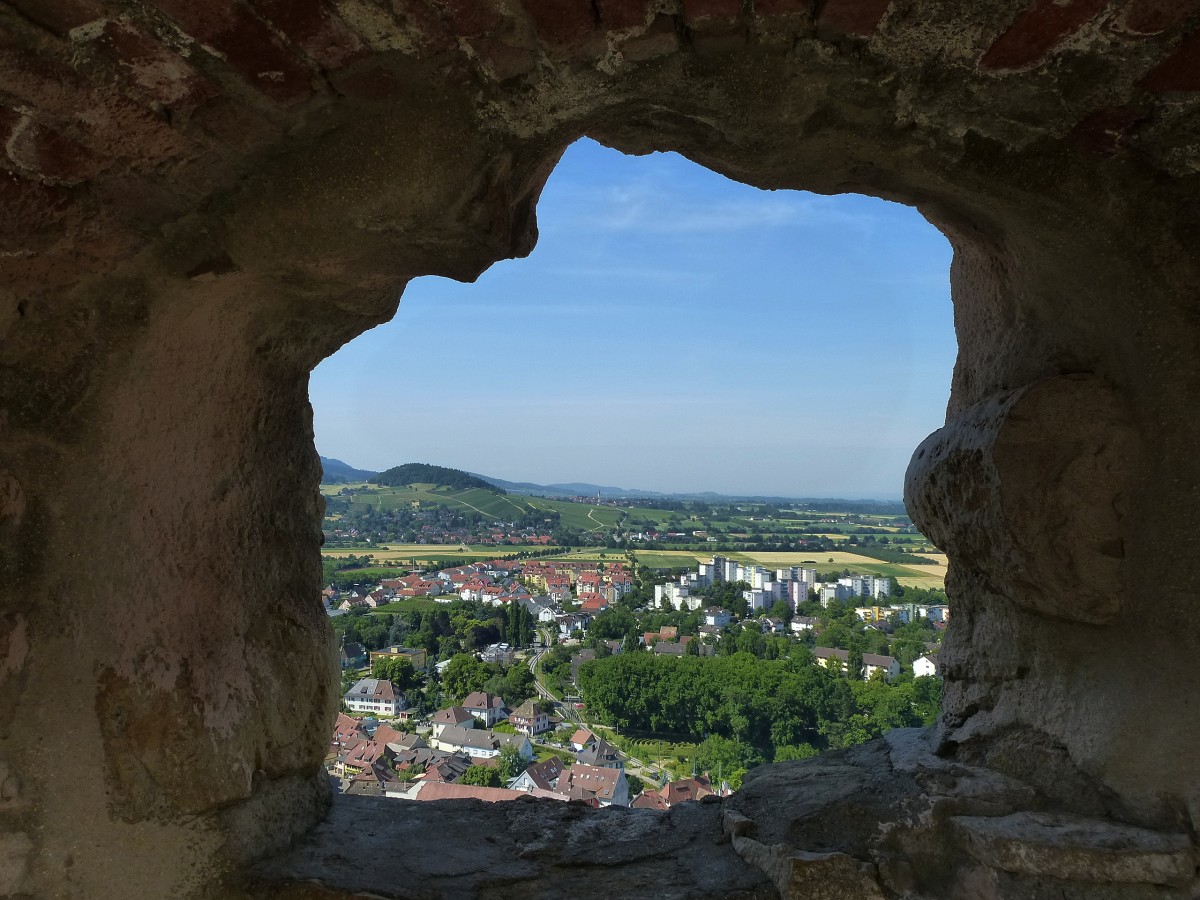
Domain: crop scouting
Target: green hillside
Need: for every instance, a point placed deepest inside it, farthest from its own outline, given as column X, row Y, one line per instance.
column 423, row 473
column 483, row 501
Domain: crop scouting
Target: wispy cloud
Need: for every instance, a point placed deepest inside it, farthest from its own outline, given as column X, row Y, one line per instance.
column 657, row 209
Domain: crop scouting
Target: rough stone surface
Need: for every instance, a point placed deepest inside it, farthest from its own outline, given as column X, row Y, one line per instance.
column 1077, row 849
column 524, row 848
column 894, row 819
column 203, row 199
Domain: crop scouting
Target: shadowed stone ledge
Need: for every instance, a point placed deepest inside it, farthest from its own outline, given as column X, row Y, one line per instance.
column 526, row 848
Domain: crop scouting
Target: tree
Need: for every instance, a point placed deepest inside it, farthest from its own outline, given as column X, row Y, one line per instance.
column 398, row 670
column 854, row 664
column 481, row 776
column 511, row 763
column 463, row 675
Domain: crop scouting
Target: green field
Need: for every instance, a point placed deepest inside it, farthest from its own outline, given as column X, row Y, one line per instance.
column 405, row 554
column 671, row 559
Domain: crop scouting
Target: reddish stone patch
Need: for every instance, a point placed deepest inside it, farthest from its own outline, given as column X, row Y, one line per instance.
column 1150, row 17
column 566, row 25
column 313, row 27
column 619, row 14
column 659, row 40
column 472, row 18
column 502, row 60
column 695, row 11
column 249, row 46
column 158, row 72
column 1037, row 31
column 1178, row 72
column 116, row 125
column 28, row 205
column 715, row 39
column 41, row 150
column 854, row 17
column 1106, row 131
column 59, row 16
column 782, row 7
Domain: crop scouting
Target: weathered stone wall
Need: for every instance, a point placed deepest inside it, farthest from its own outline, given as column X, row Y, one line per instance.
column 203, row 199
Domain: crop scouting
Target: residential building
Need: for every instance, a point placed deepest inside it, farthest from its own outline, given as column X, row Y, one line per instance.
column 608, row 787
column 539, row 776
column 529, row 718
column 486, row 708
column 926, row 665
column 454, row 716
column 415, row 655
column 353, row 656
column 374, row 695
column 717, row 617
column 602, row 754
column 872, row 662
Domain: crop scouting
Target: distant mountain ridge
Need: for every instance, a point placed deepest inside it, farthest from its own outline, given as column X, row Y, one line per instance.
column 337, row 472
column 334, row 471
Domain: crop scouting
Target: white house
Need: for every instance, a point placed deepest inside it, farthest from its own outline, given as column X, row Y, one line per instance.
column 803, row 623
column 451, row 716
column 477, row 742
column 889, row 665
column 529, row 718
column 717, row 617
column 374, row 695
column 487, row 708
column 926, row 665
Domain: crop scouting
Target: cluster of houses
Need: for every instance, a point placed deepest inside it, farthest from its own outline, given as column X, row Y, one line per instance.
column 493, row 582
column 390, row 763
column 593, row 586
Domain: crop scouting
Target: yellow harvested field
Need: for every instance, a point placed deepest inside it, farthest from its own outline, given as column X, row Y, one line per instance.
column 822, row 559
column 407, row 551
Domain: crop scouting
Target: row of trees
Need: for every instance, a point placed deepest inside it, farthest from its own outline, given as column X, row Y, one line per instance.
column 770, row 705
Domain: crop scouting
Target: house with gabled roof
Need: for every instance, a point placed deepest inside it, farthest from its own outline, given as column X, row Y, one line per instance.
column 374, row 695
column 451, row 715
column 476, row 742
column 649, row 799
column 602, row 754
column 487, row 708
column 608, row 787
column 529, row 718
column 926, row 665
column 543, row 775
column 582, row 738
column 685, row 789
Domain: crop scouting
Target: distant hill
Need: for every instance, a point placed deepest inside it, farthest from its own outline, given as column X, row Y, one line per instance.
column 423, row 473
column 572, row 489
column 334, row 471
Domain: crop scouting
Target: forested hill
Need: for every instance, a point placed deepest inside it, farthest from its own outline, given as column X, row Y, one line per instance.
column 423, row 473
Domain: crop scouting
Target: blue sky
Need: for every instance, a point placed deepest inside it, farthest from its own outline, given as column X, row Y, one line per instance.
column 673, row 330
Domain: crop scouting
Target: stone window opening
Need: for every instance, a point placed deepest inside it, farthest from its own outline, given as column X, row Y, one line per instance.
column 204, row 200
